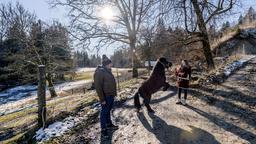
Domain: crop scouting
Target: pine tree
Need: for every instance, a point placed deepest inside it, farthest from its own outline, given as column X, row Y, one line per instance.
column 240, row 19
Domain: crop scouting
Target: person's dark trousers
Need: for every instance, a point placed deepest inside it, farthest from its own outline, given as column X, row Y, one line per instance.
column 185, row 93
column 105, row 117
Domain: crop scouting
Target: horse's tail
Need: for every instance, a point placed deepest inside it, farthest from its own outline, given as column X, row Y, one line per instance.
column 137, row 100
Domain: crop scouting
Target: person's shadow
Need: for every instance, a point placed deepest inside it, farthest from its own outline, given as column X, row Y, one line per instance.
column 168, row 134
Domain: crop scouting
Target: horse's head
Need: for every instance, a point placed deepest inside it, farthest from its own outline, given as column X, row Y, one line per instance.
column 164, row 62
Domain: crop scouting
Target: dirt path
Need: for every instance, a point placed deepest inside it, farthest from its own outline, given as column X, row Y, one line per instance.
column 215, row 114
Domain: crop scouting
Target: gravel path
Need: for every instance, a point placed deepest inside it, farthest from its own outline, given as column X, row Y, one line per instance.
column 215, row 114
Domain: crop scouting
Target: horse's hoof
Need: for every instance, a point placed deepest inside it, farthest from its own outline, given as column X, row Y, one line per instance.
column 138, row 110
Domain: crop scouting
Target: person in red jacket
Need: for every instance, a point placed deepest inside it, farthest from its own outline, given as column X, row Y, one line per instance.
column 183, row 74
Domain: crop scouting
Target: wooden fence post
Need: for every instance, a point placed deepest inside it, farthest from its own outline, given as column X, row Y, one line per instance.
column 41, row 96
column 118, row 82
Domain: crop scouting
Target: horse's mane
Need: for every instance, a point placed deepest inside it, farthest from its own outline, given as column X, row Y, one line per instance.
column 158, row 69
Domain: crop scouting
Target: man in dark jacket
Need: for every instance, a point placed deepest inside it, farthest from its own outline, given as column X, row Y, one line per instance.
column 183, row 74
column 105, row 86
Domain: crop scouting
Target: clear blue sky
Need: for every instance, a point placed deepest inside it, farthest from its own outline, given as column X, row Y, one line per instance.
column 43, row 11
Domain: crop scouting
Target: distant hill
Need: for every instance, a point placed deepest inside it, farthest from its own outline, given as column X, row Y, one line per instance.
column 238, row 39
column 242, row 42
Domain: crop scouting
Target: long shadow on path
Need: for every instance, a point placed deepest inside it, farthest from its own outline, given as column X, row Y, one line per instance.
column 245, row 114
column 242, row 133
column 168, row 134
column 172, row 89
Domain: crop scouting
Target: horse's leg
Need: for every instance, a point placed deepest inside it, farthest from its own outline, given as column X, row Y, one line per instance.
column 137, row 101
column 147, row 99
column 166, row 86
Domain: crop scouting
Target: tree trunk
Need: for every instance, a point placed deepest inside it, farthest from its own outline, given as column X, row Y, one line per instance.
column 51, row 86
column 134, row 67
column 41, row 96
column 202, row 28
column 208, row 53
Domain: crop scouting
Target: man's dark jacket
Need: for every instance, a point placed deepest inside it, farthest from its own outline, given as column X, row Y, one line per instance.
column 105, row 83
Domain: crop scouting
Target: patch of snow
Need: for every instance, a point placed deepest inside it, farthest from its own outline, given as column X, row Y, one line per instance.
column 57, row 129
column 84, row 69
column 71, row 85
column 12, row 99
column 244, row 34
column 16, row 106
column 4, row 95
column 17, row 93
column 30, row 91
column 251, row 32
column 96, row 106
column 79, row 70
column 236, row 64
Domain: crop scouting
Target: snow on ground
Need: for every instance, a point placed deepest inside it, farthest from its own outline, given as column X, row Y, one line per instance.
column 79, row 70
column 60, row 127
column 15, row 99
column 15, row 106
column 57, row 129
column 95, row 106
column 84, row 69
column 236, row 64
column 71, row 85
column 17, row 93
column 29, row 91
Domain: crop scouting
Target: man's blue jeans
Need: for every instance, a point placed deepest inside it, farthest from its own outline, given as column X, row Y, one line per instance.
column 105, row 117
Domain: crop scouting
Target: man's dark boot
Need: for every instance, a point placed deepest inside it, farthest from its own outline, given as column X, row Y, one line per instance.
column 104, row 133
column 112, row 127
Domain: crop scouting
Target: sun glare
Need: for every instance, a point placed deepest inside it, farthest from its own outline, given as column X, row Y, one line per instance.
column 107, row 13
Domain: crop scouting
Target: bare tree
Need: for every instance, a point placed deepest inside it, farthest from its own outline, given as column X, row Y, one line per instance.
column 14, row 15
column 89, row 27
column 48, row 45
column 195, row 15
column 146, row 42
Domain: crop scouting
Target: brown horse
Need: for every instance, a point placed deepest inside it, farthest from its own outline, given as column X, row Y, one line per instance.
column 156, row 81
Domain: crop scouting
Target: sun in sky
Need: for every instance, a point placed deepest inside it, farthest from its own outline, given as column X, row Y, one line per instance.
column 107, row 13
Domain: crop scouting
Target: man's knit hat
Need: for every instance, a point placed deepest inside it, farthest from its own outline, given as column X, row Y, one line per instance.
column 105, row 60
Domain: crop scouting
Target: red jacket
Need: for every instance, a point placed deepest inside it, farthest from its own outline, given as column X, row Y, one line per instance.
column 183, row 74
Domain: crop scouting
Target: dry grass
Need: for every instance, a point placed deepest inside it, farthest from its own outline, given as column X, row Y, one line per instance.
column 16, row 115
column 89, row 74
column 18, row 120
column 55, row 107
column 13, row 139
column 231, row 33
column 79, row 76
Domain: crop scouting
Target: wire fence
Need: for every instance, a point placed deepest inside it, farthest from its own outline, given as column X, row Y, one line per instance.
column 22, row 116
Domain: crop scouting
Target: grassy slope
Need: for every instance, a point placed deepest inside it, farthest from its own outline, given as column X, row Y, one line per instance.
column 20, row 122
